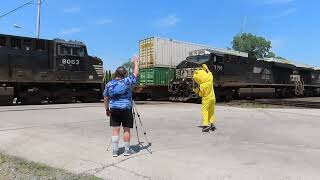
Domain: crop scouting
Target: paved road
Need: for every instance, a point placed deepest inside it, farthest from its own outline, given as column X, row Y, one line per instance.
column 252, row 144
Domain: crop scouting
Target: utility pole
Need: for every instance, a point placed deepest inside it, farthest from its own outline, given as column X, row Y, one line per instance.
column 38, row 19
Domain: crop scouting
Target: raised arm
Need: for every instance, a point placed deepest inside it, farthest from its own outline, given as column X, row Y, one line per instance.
column 135, row 60
column 205, row 67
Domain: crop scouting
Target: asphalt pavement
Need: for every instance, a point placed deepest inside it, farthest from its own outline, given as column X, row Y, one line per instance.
column 249, row 143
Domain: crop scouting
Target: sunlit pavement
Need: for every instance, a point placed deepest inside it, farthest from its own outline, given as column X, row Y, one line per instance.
column 248, row 143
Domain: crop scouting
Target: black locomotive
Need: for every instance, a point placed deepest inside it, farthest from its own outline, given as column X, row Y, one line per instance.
column 242, row 77
column 33, row 71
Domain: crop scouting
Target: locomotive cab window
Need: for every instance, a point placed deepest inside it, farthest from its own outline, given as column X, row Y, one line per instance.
column 71, row 51
column 64, row 50
column 78, row 51
column 199, row 59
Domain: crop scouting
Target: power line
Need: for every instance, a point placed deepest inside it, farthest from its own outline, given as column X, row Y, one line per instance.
column 17, row 8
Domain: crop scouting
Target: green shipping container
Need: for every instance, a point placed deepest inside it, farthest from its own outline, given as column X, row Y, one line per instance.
column 158, row 76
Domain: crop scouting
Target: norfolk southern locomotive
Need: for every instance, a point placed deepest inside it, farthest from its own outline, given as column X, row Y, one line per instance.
column 36, row 70
column 239, row 76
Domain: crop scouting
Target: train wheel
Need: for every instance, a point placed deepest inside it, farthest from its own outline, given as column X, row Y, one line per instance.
column 33, row 95
column 62, row 96
column 6, row 95
column 6, row 101
column 280, row 93
column 30, row 100
column 90, row 99
column 62, row 100
column 140, row 96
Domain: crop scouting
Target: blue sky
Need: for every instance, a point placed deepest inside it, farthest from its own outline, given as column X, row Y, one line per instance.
column 112, row 28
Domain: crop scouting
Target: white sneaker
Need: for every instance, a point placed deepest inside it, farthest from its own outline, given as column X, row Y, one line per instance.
column 128, row 152
column 115, row 153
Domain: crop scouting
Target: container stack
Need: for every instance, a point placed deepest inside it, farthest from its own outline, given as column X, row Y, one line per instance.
column 158, row 60
column 159, row 57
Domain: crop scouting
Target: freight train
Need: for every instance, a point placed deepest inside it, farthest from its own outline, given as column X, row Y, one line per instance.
column 237, row 76
column 33, row 71
column 158, row 60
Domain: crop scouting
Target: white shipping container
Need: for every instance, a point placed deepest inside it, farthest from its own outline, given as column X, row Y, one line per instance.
column 161, row 52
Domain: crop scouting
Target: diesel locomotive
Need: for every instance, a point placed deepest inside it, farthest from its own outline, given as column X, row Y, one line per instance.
column 238, row 76
column 33, row 71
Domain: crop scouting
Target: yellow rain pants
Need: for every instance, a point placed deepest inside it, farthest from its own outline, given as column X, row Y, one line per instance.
column 204, row 78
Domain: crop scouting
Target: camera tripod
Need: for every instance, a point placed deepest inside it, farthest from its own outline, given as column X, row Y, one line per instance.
column 135, row 114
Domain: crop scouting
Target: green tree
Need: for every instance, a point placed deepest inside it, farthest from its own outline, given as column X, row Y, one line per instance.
column 129, row 66
column 271, row 55
column 106, row 76
column 255, row 46
column 110, row 75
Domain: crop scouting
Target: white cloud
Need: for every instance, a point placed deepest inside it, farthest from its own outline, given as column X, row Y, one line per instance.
column 168, row 21
column 284, row 13
column 277, row 1
column 72, row 10
column 71, row 31
column 103, row 21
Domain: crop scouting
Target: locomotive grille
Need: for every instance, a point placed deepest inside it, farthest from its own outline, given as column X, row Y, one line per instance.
column 99, row 70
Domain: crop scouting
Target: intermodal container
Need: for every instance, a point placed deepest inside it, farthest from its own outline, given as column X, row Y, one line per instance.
column 157, row 76
column 161, row 52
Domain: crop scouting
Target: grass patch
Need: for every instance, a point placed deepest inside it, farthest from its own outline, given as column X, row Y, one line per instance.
column 16, row 168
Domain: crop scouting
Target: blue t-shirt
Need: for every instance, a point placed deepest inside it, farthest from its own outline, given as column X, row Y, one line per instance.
column 119, row 92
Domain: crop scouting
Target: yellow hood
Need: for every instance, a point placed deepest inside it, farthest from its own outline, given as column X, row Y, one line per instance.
column 202, row 75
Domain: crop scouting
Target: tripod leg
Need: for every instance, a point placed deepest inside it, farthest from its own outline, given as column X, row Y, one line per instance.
column 135, row 122
column 145, row 134
column 144, row 131
column 134, row 108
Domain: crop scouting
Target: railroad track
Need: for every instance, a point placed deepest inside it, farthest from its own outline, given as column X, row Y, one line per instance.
column 294, row 103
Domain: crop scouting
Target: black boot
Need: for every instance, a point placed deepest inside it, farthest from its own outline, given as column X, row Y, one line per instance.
column 206, row 129
column 212, row 127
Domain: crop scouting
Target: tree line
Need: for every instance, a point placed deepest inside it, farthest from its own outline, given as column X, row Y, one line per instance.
column 108, row 76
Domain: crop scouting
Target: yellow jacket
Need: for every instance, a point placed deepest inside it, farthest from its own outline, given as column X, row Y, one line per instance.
column 204, row 78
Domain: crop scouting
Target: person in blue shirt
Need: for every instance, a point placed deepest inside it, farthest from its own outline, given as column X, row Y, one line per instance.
column 118, row 105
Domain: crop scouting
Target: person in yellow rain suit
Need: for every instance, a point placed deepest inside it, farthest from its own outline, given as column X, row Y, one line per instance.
column 204, row 78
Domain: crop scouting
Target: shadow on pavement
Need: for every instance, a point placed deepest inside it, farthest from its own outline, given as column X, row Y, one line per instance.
column 136, row 148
